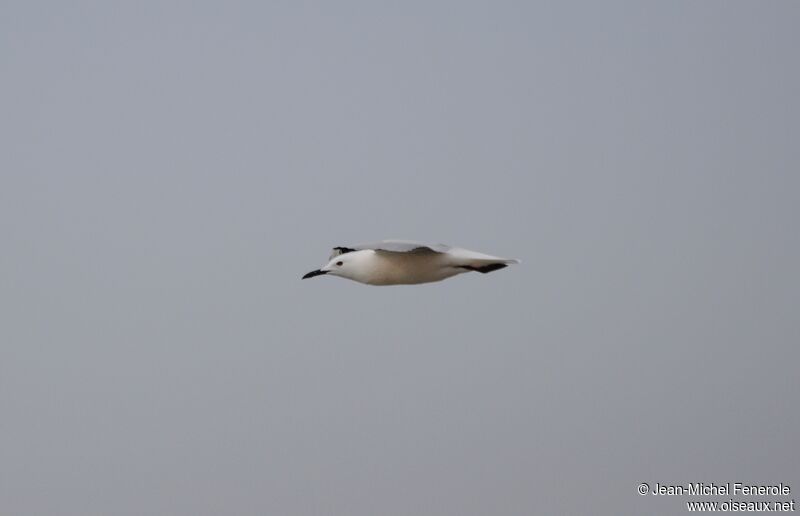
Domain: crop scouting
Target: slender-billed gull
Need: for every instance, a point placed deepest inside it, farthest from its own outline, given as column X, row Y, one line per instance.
column 403, row 262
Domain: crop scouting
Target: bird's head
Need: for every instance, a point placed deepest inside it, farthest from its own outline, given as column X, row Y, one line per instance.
column 351, row 265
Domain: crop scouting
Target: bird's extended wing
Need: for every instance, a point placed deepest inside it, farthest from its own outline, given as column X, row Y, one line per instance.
column 404, row 246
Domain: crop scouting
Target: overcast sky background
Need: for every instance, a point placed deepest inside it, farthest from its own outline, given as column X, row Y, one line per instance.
column 169, row 170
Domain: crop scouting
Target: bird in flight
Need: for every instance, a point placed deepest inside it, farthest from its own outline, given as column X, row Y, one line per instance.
column 403, row 262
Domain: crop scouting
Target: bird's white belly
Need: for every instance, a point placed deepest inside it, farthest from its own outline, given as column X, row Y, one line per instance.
column 408, row 270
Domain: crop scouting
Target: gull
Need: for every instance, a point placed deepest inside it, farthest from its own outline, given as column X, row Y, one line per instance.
column 404, row 262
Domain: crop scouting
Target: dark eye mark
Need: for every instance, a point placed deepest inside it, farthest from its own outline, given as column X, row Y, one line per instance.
column 339, row 263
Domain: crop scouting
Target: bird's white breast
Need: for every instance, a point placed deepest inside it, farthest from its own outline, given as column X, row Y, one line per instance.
column 406, row 269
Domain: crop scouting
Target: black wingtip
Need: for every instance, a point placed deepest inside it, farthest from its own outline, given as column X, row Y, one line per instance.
column 486, row 268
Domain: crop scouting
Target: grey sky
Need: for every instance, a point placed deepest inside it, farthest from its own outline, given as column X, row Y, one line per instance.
column 170, row 170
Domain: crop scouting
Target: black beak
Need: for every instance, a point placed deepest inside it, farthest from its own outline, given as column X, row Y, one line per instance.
column 315, row 273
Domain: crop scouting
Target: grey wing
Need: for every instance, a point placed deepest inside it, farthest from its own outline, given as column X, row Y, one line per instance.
column 404, row 246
